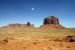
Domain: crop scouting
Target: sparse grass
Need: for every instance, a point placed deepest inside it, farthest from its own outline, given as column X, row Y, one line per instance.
column 23, row 32
column 44, row 49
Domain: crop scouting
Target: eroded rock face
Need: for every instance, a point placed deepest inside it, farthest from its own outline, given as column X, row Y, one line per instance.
column 51, row 20
column 21, row 25
column 70, row 38
column 28, row 24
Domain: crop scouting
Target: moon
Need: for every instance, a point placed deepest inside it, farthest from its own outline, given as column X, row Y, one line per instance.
column 33, row 9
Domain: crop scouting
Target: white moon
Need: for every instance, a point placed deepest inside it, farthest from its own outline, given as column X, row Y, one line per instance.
column 33, row 9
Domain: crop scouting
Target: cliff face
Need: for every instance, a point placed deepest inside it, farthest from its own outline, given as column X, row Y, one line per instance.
column 51, row 22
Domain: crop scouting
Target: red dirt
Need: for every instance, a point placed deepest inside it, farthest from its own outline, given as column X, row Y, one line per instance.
column 37, row 43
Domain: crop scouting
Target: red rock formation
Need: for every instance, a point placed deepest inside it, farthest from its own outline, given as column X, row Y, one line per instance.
column 14, row 25
column 51, row 22
column 28, row 23
column 21, row 25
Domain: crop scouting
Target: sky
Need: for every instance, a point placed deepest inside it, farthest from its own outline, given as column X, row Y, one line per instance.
column 34, row 11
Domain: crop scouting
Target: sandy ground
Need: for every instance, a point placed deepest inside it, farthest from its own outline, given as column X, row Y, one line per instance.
column 36, row 43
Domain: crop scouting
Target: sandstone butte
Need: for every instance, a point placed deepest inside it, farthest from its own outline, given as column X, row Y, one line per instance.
column 49, row 22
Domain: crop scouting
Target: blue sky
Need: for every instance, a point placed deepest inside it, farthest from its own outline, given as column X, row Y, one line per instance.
column 34, row 11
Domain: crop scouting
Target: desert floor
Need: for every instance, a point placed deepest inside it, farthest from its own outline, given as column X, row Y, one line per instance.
column 36, row 39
